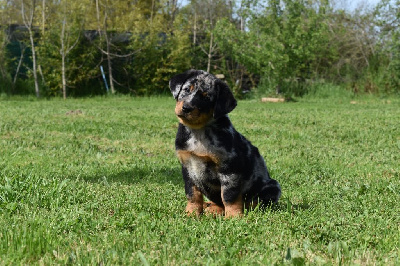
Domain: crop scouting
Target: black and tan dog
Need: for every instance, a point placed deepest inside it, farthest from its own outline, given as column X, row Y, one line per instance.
column 217, row 161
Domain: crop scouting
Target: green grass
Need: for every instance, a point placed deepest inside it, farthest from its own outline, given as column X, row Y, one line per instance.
column 103, row 186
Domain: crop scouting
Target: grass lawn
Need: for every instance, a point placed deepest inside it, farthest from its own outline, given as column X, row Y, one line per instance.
column 96, row 181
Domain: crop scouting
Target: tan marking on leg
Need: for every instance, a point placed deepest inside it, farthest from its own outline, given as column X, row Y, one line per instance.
column 233, row 209
column 195, row 203
column 213, row 209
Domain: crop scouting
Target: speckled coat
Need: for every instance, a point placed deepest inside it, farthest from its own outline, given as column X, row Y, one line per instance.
column 217, row 161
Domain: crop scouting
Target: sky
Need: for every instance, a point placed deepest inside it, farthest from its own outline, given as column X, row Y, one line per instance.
column 348, row 4
column 356, row 3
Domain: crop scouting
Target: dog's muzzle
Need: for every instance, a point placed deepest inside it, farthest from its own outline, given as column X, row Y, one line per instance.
column 186, row 108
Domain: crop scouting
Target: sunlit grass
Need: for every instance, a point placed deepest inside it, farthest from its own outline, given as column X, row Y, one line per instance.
column 102, row 184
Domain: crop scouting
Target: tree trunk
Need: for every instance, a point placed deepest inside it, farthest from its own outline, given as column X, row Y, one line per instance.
column 210, row 51
column 195, row 28
column 109, row 59
column 43, row 16
column 64, row 81
column 98, row 16
column 34, row 63
column 28, row 25
column 63, row 54
column 21, row 58
column 172, row 11
column 107, row 52
column 152, row 11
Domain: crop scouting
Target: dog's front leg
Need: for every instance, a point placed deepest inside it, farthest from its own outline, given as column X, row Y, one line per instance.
column 193, row 195
column 233, row 201
column 195, row 202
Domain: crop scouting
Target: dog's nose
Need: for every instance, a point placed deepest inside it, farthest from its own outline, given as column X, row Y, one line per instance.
column 187, row 108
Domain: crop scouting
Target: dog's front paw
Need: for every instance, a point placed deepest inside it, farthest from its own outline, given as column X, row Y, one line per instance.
column 233, row 212
column 213, row 209
column 194, row 209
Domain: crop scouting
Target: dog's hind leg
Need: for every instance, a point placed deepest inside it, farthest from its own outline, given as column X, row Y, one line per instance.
column 233, row 203
column 270, row 193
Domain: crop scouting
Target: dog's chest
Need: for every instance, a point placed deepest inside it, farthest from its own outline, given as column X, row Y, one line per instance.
column 201, row 158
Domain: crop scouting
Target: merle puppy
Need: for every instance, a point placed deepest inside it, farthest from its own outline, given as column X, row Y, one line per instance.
column 217, row 161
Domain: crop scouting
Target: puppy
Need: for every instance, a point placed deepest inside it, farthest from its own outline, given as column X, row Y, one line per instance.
column 217, row 161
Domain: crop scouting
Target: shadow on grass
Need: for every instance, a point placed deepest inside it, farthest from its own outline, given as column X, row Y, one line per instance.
column 173, row 176
column 285, row 204
column 139, row 175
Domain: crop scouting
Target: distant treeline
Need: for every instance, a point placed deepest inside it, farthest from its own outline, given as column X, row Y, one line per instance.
column 92, row 47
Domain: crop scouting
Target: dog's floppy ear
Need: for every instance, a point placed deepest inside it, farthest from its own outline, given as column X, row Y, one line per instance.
column 225, row 100
column 176, row 82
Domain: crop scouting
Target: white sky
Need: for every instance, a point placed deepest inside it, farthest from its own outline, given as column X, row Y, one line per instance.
column 356, row 3
column 344, row 4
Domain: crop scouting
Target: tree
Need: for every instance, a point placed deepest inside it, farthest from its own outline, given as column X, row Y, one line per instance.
column 202, row 17
column 4, row 40
column 28, row 15
column 353, row 37
column 281, row 45
column 3, row 59
column 257, row 48
column 387, row 15
column 163, row 47
column 61, row 35
column 113, row 21
column 67, row 33
column 103, row 31
column 286, row 42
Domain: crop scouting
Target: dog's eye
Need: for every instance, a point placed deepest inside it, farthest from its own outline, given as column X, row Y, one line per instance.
column 191, row 88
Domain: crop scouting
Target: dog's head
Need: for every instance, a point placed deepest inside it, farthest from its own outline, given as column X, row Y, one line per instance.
column 200, row 97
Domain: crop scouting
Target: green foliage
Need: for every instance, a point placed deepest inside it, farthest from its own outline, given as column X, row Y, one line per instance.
column 177, row 52
column 59, row 40
column 161, row 53
column 282, row 46
column 292, row 44
column 281, row 43
column 263, row 55
column 84, row 182
column 161, row 57
column 5, row 84
column 324, row 91
column 4, row 75
column 394, row 65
